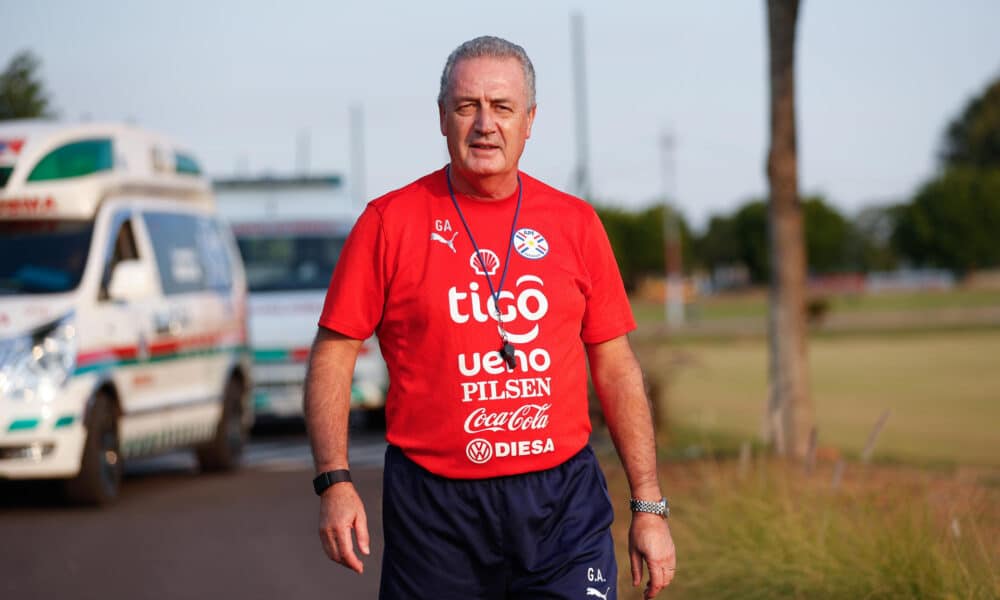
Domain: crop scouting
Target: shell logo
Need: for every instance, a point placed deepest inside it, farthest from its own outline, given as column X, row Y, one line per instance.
column 489, row 260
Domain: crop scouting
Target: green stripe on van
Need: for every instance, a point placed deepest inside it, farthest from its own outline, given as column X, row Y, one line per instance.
column 64, row 421
column 270, row 356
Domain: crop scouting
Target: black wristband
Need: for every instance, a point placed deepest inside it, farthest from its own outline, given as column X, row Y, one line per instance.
column 324, row 480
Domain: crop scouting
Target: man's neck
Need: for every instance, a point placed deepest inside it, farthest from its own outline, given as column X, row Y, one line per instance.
column 490, row 187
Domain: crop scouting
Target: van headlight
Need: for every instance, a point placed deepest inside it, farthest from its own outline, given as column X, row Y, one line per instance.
column 34, row 366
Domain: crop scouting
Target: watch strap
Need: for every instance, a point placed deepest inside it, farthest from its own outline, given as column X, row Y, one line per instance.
column 661, row 507
column 324, row 480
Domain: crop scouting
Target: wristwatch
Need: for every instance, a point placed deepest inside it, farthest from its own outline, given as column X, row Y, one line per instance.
column 324, row 480
column 657, row 508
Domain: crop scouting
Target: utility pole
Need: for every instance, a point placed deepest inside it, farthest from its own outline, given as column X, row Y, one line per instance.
column 672, row 259
column 581, row 175
column 357, row 129
column 302, row 153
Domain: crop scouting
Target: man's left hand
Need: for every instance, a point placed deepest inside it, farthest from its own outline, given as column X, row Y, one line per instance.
column 649, row 541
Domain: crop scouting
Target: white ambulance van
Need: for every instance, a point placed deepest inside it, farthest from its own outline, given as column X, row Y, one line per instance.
column 122, row 308
column 290, row 231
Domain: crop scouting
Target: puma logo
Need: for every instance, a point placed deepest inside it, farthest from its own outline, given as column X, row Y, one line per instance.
column 437, row 237
column 592, row 592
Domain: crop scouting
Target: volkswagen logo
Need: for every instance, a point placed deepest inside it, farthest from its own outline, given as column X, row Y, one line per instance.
column 479, row 451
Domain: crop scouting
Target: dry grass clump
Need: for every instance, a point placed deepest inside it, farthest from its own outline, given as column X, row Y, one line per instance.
column 765, row 529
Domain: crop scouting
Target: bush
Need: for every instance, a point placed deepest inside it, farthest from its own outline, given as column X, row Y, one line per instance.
column 774, row 532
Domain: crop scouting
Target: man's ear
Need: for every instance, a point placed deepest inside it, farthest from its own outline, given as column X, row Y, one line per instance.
column 441, row 117
column 531, row 120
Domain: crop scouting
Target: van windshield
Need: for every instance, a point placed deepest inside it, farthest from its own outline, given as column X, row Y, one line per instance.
column 42, row 256
column 276, row 262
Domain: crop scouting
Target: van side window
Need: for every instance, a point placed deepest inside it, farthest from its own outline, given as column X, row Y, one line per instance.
column 192, row 252
column 124, row 248
column 175, row 243
column 215, row 254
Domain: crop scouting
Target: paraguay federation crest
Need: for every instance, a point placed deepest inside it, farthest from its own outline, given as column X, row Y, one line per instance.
column 530, row 244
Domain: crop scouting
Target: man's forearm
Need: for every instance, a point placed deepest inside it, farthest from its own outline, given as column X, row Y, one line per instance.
column 327, row 401
column 619, row 385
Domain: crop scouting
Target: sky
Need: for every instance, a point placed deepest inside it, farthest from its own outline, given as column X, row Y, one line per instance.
column 242, row 83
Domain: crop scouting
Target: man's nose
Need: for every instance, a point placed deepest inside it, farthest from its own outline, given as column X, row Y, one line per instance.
column 484, row 121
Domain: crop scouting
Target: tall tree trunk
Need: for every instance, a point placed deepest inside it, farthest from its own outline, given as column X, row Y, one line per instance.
column 790, row 411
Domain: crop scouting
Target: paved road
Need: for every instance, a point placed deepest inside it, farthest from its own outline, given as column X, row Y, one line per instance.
column 177, row 534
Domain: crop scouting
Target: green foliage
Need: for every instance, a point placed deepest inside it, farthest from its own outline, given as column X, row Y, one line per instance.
column 743, row 238
column 869, row 240
column 953, row 222
column 637, row 240
column 718, row 245
column 973, row 138
column 827, row 234
column 22, row 93
column 739, row 238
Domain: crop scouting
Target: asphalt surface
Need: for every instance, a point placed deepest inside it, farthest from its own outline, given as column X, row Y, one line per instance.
column 175, row 533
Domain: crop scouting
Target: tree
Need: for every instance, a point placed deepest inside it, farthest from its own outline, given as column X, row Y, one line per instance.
column 750, row 228
column 827, row 233
column 740, row 238
column 973, row 138
column 637, row 240
column 953, row 222
column 718, row 246
column 22, row 93
column 869, row 241
column 789, row 406
column 743, row 238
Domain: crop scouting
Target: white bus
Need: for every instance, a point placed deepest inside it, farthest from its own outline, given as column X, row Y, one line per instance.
column 122, row 308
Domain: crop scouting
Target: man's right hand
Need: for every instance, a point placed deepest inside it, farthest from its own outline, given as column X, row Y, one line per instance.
column 340, row 512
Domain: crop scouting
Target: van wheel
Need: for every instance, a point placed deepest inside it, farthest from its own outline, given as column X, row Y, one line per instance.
column 225, row 450
column 100, row 476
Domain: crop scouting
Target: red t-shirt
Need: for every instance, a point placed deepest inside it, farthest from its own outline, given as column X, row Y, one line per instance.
column 409, row 273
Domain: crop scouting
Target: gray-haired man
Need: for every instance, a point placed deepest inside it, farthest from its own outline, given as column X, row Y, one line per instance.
column 490, row 292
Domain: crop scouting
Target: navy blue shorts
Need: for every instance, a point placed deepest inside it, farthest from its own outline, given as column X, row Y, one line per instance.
column 538, row 535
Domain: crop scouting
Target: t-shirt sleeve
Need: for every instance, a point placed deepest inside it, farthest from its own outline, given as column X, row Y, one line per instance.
column 356, row 295
column 608, row 313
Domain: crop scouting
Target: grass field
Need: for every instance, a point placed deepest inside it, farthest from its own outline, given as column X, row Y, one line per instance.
column 912, row 353
column 942, row 388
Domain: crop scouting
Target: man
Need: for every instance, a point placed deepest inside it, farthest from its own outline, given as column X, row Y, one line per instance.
column 489, row 292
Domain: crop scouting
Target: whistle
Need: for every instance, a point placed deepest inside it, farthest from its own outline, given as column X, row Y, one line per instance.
column 507, row 352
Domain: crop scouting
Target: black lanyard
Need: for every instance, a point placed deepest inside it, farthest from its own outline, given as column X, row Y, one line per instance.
column 507, row 349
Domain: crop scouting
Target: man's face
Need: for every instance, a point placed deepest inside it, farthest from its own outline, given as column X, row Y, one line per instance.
column 485, row 117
